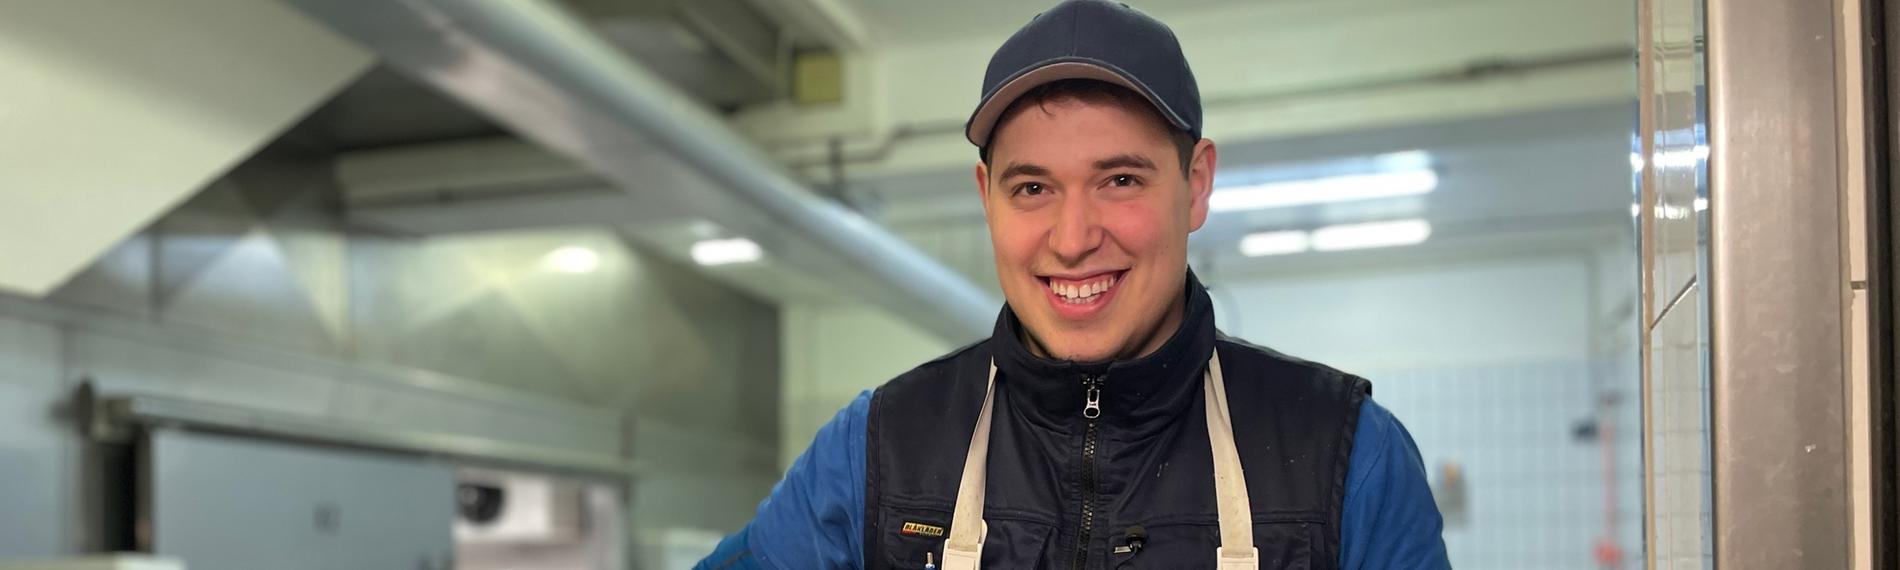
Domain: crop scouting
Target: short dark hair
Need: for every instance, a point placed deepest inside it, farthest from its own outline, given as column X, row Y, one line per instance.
column 1093, row 91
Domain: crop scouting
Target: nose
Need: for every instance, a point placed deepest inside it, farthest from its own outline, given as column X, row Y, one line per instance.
column 1078, row 228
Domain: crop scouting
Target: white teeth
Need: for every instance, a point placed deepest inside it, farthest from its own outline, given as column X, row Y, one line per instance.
column 1078, row 293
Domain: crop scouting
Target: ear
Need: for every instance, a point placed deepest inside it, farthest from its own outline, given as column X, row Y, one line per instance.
column 1200, row 183
column 983, row 186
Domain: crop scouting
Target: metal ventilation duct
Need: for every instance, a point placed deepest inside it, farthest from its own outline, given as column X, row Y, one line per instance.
column 114, row 113
column 548, row 77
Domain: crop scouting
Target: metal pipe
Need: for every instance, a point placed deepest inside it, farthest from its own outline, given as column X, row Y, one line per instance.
column 544, row 73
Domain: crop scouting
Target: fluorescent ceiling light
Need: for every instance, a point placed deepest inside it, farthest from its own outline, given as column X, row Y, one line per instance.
column 1341, row 188
column 1376, row 234
column 572, row 259
column 1273, row 243
column 726, row 251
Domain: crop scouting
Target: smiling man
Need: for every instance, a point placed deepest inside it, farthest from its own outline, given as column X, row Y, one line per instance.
column 1105, row 423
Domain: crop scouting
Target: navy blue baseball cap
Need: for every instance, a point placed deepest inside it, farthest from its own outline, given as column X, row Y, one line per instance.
column 1090, row 39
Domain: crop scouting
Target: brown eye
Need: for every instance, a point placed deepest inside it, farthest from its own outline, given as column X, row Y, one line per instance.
column 1031, row 189
column 1123, row 180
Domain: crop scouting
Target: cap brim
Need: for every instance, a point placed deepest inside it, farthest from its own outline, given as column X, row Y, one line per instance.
column 978, row 130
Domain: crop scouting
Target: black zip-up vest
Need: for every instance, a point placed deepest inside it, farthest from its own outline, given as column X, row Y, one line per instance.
column 1067, row 492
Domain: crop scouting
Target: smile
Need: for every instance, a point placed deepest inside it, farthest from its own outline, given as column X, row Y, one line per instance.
column 1078, row 297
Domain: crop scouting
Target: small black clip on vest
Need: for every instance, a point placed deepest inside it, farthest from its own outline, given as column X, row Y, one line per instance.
column 1132, row 540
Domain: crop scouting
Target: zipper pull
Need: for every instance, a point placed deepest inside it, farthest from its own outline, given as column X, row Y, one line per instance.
column 1093, row 407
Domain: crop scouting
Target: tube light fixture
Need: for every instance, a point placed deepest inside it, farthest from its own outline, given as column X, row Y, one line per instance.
column 1343, row 188
column 1370, row 235
column 572, row 259
column 1274, row 243
column 726, row 251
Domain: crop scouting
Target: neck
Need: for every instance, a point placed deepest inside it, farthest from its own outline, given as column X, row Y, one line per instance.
column 1165, row 329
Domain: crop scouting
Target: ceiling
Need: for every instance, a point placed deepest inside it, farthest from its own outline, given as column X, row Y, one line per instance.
column 923, row 21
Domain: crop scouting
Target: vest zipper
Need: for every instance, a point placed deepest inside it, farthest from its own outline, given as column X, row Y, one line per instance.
column 1091, row 410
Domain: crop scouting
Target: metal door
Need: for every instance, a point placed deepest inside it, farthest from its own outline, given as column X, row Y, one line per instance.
column 232, row 503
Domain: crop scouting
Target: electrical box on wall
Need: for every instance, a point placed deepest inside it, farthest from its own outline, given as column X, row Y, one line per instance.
column 817, row 78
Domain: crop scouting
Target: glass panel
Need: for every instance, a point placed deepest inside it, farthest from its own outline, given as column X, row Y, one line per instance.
column 1675, row 223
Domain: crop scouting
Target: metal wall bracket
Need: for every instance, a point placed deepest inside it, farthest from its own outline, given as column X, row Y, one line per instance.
column 119, row 418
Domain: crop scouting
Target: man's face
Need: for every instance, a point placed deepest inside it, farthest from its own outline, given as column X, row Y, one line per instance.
column 1089, row 212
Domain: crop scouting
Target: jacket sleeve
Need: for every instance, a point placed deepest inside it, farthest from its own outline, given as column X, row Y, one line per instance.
column 1390, row 519
column 814, row 517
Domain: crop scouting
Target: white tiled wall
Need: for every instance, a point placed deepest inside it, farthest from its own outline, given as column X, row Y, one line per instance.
column 1495, row 374
column 1536, row 492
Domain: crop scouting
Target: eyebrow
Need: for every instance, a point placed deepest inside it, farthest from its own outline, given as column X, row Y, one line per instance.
column 1125, row 161
column 1020, row 169
column 1113, row 162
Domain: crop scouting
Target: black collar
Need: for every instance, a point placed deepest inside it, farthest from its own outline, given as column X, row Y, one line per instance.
column 1140, row 394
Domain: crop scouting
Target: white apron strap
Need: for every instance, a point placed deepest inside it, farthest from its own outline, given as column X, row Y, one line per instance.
column 1236, row 551
column 964, row 551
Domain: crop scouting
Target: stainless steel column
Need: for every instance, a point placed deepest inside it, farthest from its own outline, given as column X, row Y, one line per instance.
column 1776, row 288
